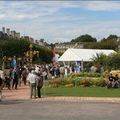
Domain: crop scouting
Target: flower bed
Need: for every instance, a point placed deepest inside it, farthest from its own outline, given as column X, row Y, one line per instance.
column 84, row 74
column 78, row 81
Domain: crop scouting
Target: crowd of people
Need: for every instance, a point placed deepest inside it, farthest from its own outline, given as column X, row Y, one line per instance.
column 113, row 82
column 34, row 76
column 13, row 77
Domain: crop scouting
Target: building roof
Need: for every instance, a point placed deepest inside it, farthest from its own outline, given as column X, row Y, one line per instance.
column 83, row 54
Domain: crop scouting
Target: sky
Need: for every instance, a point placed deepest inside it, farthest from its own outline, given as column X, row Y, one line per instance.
column 61, row 21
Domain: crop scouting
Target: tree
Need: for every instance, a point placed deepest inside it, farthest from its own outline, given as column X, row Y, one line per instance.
column 52, row 46
column 84, row 38
column 114, row 61
column 17, row 48
column 108, row 62
column 100, row 60
column 112, row 37
column 104, row 44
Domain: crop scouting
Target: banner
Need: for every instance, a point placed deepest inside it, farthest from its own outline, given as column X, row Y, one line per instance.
column 14, row 62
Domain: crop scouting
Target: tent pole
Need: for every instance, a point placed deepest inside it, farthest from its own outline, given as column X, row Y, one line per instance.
column 82, row 67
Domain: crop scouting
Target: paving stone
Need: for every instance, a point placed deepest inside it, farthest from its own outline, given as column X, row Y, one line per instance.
column 22, row 93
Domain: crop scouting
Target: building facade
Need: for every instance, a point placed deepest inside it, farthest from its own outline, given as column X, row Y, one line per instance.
column 8, row 34
column 62, row 47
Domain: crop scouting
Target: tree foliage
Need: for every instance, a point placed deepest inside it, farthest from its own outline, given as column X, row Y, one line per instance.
column 14, row 47
column 101, row 45
column 17, row 48
column 114, row 61
column 100, row 60
column 106, row 43
column 108, row 62
column 112, row 37
column 84, row 38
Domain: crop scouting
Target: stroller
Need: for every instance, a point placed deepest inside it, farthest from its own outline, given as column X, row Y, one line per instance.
column 7, row 82
column 114, row 82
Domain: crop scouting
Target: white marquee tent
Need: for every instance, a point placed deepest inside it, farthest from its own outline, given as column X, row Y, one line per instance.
column 84, row 55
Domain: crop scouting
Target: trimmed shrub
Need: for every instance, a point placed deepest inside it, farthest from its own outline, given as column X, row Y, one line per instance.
column 69, row 85
column 86, row 83
column 84, row 74
column 97, row 82
column 78, row 81
column 55, row 82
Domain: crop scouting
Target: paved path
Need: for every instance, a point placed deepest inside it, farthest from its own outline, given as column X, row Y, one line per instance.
column 16, row 105
column 23, row 94
column 58, row 110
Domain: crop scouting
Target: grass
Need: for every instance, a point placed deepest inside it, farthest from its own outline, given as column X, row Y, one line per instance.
column 82, row 92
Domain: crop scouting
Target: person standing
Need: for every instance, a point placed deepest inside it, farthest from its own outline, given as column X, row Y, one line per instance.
column 7, row 82
column 24, row 75
column 32, row 78
column 1, row 83
column 15, row 78
column 62, row 71
column 39, row 85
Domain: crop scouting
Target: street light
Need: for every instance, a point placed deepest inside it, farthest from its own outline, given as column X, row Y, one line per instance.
column 10, row 61
column 19, row 59
column 30, row 54
column 4, row 64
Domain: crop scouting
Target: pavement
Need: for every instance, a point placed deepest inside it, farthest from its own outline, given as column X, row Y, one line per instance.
column 16, row 105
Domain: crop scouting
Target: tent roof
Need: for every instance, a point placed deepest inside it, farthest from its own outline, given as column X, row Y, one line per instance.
column 82, row 54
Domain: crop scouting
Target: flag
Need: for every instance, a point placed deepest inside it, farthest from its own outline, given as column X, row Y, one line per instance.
column 14, row 62
column 54, row 53
column 55, row 57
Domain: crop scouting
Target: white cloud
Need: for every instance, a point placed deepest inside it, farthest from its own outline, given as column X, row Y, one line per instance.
column 2, row 16
column 103, row 5
column 44, row 20
column 29, row 9
column 66, row 32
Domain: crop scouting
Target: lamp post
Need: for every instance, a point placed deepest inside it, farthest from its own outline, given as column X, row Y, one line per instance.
column 19, row 61
column 4, row 64
column 10, row 61
column 30, row 54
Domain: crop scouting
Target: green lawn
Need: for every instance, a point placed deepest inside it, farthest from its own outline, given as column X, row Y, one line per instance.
column 82, row 92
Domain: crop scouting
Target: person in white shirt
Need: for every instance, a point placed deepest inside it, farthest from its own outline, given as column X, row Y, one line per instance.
column 32, row 78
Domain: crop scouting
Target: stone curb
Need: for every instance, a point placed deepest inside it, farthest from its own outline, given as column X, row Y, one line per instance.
column 70, row 99
column 77, row 99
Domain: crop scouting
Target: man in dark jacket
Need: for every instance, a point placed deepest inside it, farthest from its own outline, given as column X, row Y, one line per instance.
column 39, row 85
column 15, row 78
column 1, row 83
